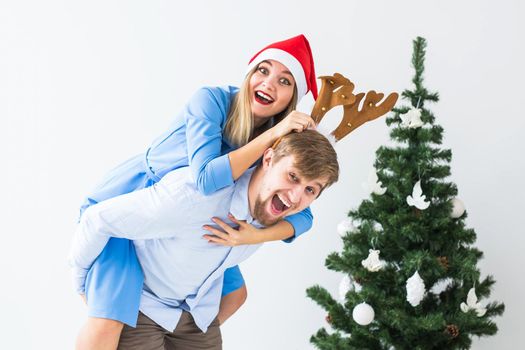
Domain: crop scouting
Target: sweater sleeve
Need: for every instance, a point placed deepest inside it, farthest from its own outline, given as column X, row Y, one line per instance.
column 301, row 223
column 205, row 117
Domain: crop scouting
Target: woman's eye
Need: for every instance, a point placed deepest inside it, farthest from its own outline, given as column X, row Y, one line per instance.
column 310, row 190
column 263, row 70
column 285, row 81
column 293, row 177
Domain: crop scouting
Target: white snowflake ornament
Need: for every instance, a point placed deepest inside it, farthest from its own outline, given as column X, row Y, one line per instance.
column 372, row 262
column 373, row 185
column 472, row 304
column 415, row 289
column 345, row 226
column 417, row 199
column 458, row 208
column 363, row 314
column 345, row 286
column 411, row 119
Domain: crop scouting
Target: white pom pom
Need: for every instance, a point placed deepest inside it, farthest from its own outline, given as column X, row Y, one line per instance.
column 458, row 208
column 327, row 133
column 345, row 286
column 363, row 314
column 415, row 289
column 345, row 226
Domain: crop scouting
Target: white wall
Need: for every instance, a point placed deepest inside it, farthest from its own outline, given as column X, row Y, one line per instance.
column 84, row 85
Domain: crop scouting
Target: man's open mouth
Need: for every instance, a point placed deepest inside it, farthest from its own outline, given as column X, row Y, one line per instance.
column 279, row 205
column 263, row 98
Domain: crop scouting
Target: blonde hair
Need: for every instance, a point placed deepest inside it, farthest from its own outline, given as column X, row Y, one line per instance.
column 240, row 124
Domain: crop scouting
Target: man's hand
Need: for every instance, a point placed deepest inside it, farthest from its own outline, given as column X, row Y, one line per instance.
column 231, row 237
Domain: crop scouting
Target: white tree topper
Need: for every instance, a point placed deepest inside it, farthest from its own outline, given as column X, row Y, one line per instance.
column 472, row 304
column 415, row 289
column 373, row 185
column 411, row 119
column 372, row 262
column 418, row 198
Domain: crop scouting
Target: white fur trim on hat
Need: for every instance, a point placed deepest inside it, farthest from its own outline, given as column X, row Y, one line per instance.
column 289, row 61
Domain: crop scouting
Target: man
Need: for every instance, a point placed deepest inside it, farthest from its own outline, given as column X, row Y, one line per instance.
column 182, row 271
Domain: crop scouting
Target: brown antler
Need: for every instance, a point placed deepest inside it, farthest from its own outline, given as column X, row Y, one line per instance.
column 354, row 118
column 336, row 90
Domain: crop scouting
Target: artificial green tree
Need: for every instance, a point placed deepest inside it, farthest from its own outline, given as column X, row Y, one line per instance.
column 408, row 259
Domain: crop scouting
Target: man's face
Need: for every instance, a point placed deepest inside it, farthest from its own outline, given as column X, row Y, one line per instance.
column 283, row 191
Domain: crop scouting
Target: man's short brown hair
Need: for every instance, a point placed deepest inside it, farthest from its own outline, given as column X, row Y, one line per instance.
column 314, row 155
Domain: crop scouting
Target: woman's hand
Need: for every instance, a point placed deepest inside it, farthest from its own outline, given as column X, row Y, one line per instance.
column 295, row 121
column 231, row 237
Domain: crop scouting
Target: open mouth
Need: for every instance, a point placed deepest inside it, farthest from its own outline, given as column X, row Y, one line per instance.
column 263, row 98
column 279, row 205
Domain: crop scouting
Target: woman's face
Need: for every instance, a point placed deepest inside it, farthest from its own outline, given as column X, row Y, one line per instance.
column 271, row 88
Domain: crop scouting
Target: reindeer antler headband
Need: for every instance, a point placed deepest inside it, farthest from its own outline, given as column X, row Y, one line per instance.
column 336, row 90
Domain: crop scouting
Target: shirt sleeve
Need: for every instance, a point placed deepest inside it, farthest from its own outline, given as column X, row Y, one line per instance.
column 233, row 280
column 205, row 117
column 145, row 214
column 301, row 223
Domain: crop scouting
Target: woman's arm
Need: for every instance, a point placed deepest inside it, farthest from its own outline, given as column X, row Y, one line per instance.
column 286, row 230
column 205, row 117
column 244, row 157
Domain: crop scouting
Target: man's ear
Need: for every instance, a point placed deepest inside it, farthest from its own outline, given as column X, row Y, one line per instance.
column 267, row 159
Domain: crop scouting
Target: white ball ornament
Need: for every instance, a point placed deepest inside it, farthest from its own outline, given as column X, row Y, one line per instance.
column 345, row 226
column 458, row 208
column 363, row 314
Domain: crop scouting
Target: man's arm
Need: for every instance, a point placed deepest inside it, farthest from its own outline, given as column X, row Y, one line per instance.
column 152, row 212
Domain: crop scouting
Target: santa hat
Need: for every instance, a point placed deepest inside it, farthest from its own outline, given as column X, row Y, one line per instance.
column 296, row 55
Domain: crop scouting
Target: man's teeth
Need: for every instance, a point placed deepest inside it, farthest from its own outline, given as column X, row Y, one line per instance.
column 264, row 96
column 285, row 202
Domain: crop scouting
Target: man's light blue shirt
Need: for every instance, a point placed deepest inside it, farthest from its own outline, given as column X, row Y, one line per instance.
column 182, row 271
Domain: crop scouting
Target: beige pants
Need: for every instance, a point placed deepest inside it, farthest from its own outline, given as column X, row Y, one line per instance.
column 187, row 336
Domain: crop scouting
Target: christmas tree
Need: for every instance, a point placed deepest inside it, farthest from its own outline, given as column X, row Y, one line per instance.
column 410, row 276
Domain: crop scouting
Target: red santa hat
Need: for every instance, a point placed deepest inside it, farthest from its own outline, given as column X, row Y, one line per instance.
column 296, row 55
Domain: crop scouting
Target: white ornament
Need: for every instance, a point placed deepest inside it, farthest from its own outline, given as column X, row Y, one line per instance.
column 372, row 262
column 418, row 198
column 372, row 184
column 441, row 285
column 363, row 314
column 458, row 208
column 411, row 119
column 415, row 289
column 378, row 226
column 472, row 304
column 345, row 286
column 345, row 226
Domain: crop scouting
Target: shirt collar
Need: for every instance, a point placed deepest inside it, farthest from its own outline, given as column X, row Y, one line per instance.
column 240, row 206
